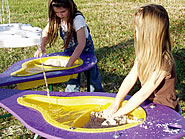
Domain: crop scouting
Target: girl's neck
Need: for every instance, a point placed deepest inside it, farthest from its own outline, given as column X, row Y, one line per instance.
column 64, row 22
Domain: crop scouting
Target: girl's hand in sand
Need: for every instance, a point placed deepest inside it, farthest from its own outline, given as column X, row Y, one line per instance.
column 110, row 111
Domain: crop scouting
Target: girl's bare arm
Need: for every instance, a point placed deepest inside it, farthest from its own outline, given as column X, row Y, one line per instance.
column 139, row 97
column 44, row 37
column 78, row 50
column 126, row 86
column 44, row 41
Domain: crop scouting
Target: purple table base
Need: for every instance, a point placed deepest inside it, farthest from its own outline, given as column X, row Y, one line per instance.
column 155, row 126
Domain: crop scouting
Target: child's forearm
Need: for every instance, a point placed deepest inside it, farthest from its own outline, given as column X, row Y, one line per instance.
column 44, row 38
column 124, row 90
column 140, row 96
column 79, row 48
column 44, row 43
column 133, row 103
column 76, row 54
column 126, row 85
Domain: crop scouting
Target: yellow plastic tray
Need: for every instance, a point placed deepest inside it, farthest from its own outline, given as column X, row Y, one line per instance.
column 74, row 112
column 34, row 66
column 36, row 83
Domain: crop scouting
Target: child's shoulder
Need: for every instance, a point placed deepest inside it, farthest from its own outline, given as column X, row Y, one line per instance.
column 79, row 21
column 79, row 16
column 78, row 13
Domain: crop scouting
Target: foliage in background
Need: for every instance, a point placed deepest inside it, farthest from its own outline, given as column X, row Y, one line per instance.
column 110, row 22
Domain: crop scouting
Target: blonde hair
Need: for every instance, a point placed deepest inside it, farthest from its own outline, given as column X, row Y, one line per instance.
column 152, row 47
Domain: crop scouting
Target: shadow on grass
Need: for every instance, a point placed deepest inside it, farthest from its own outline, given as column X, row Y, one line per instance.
column 114, row 63
column 179, row 56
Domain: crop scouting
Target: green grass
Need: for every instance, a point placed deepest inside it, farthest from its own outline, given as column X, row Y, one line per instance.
column 110, row 22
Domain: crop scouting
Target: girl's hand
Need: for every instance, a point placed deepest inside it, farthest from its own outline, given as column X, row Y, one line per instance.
column 115, row 121
column 38, row 53
column 110, row 111
column 69, row 64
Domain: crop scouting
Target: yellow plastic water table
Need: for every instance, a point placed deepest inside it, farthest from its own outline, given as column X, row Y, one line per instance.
column 74, row 112
column 73, row 107
column 28, row 73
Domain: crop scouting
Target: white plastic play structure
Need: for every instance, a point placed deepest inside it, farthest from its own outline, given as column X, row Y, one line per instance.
column 13, row 35
column 19, row 35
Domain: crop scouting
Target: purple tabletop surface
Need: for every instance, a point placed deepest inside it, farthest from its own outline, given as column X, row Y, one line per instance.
column 89, row 60
column 158, row 119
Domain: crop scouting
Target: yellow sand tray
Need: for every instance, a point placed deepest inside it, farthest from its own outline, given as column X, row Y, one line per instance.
column 36, row 83
column 74, row 112
column 52, row 63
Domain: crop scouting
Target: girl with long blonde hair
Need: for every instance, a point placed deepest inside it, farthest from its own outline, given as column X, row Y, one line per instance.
column 154, row 64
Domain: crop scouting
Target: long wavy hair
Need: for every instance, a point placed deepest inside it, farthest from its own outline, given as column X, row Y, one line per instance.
column 54, row 21
column 152, row 46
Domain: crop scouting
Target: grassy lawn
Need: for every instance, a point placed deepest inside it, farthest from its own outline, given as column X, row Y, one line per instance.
column 110, row 22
